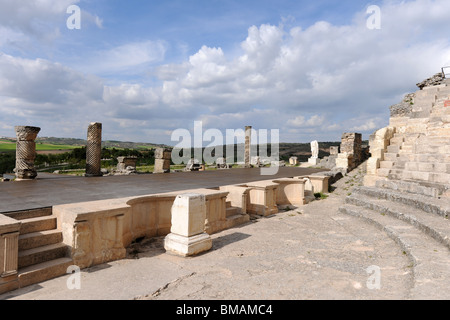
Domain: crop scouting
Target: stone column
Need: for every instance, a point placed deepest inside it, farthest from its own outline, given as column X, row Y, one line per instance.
column 94, row 150
column 162, row 160
column 248, row 141
column 26, row 152
column 188, row 236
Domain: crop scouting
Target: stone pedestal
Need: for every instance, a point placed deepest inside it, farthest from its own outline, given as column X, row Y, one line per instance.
column 313, row 161
column 94, row 150
column 188, row 236
column 26, row 152
column 293, row 161
column 126, row 165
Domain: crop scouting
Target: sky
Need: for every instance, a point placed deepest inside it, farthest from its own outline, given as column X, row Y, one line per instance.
column 310, row 69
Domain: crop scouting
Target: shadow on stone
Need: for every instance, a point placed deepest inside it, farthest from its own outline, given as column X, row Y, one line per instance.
column 221, row 242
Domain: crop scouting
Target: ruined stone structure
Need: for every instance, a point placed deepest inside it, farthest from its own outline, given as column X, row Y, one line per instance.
column 94, row 150
column 415, row 147
column 126, row 165
column 293, row 161
column 351, row 154
column 163, row 157
column 26, row 152
column 406, row 191
column 247, row 150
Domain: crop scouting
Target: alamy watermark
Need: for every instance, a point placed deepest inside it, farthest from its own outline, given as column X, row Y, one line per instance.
column 74, row 280
column 374, row 280
column 373, row 22
column 74, row 20
column 261, row 142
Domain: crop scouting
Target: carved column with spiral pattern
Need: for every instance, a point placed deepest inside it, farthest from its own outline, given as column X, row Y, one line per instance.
column 26, row 152
column 94, row 150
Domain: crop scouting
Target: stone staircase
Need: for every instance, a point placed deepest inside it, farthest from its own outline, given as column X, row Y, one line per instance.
column 417, row 222
column 234, row 216
column 42, row 254
column 420, row 149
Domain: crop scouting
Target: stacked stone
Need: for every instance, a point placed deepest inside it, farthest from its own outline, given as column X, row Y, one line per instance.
column 162, row 160
column 26, row 152
column 94, row 150
column 126, row 165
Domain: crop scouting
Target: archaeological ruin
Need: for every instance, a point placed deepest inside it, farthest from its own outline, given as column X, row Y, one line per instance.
column 405, row 194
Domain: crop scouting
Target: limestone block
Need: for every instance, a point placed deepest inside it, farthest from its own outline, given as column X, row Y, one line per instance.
column 161, row 166
column 188, row 215
column 319, row 183
column 237, row 196
column 334, row 150
column 187, row 246
column 187, row 235
column 163, row 153
column 290, row 191
column 313, row 161
column 373, row 164
column 262, row 198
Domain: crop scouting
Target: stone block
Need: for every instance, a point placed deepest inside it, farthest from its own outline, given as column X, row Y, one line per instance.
column 188, row 236
column 313, row 161
column 161, row 166
column 188, row 215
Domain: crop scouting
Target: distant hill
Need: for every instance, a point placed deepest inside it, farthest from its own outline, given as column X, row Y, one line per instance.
column 106, row 143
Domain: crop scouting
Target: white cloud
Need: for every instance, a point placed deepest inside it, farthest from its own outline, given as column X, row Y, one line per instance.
column 337, row 78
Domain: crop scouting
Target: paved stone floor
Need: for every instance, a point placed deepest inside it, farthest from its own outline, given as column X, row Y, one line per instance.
column 312, row 252
column 51, row 189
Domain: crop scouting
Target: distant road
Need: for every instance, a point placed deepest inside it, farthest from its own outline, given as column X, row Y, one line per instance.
column 51, row 189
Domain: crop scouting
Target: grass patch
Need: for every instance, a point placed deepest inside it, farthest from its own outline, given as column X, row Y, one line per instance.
column 320, row 195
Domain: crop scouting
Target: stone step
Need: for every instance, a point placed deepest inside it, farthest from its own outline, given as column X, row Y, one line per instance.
column 43, row 271
column 228, row 204
column 431, row 148
column 440, row 207
column 38, row 224
column 386, row 164
column 411, row 187
column 395, row 174
column 28, row 214
column 390, row 156
column 429, row 258
column 231, row 211
column 383, row 172
column 432, row 157
column 38, row 239
column 393, row 149
column 435, row 226
column 237, row 220
column 41, row 254
column 442, row 178
column 428, row 167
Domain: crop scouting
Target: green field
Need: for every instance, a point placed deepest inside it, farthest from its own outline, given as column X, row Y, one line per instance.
column 11, row 146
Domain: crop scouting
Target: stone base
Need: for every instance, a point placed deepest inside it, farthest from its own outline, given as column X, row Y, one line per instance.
column 314, row 161
column 187, row 246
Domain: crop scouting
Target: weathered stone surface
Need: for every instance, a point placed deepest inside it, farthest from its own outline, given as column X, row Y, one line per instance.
column 94, row 150
column 26, row 152
column 188, row 236
column 247, row 150
column 435, row 80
